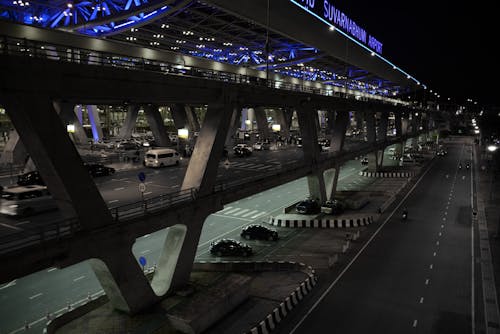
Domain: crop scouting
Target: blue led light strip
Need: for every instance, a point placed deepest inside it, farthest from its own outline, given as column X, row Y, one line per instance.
column 355, row 41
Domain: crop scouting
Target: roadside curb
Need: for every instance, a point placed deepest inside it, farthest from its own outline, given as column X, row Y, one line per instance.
column 322, row 223
column 387, row 174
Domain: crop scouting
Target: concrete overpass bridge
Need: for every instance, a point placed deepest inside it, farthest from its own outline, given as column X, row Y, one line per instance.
column 65, row 69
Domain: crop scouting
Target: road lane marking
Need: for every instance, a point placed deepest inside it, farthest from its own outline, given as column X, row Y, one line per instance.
column 23, row 222
column 222, row 216
column 36, row 296
column 12, row 227
column 258, row 215
column 175, row 186
column 113, row 201
column 148, row 193
column 427, row 281
column 434, row 254
column 120, row 188
column 415, row 323
column 444, row 218
column 442, row 226
column 145, row 251
column 437, row 243
column 225, row 209
column 79, row 278
column 240, row 212
column 439, row 234
column 231, row 211
column 250, row 213
column 421, row 300
column 51, row 269
column 146, row 235
column 431, row 266
column 11, row 283
column 330, row 287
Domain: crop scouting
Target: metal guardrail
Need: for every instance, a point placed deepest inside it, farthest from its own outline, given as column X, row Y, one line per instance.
column 57, row 52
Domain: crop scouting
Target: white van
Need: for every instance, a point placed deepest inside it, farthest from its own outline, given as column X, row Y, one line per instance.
column 26, row 200
column 160, row 157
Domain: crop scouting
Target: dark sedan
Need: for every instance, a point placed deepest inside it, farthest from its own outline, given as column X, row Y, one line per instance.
column 30, row 178
column 230, row 247
column 308, row 206
column 242, row 151
column 99, row 170
column 259, row 232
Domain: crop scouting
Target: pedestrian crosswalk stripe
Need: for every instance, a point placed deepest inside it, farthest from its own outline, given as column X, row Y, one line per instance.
column 258, row 215
column 240, row 212
column 250, row 213
column 231, row 211
column 226, row 209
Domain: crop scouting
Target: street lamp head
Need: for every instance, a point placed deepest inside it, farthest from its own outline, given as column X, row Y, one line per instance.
column 492, row 148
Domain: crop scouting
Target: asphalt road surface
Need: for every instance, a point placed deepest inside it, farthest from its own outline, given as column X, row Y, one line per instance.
column 413, row 276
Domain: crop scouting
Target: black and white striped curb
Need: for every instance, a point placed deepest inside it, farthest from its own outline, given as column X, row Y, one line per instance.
column 322, row 223
column 387, row 174
column 280, row 312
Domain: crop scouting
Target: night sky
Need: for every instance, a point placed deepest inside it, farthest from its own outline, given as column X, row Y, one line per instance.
column 447, row 45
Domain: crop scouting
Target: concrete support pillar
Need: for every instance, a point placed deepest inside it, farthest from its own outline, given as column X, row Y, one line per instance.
column 129, row 123
column 121, row 277
column 202, row 169
column 371, row 132
column 68, row 116
column 398, row 124
column 260, row 115
column 193, row 122
column 179, row 116
column 375, row 160
column 308, row 130
column 46, row 140
column 317, row 123
column 382, row 128
column 156, row 125
column 79, row 113
column 358, row 116
column 339, row 129
column 331, row 177
column 14, row 151
column 234, row 125
column 284, row 118
column 95, row 122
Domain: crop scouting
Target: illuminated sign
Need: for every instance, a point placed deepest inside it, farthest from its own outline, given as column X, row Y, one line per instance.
column 328, row 13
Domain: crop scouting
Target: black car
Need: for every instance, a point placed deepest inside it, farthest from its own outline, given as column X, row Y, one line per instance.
column 30, row 178
column 308, row 206
column 99, row 170
column 334, row 207
column 364, row 161
column 259, row 232
column 240, row 151
column 230, row 247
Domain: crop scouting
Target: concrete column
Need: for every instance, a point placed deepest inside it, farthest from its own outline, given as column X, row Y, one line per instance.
column 95, row 122
column 14, row 151
column 382, row 129
column 331, row 177
column 179, row 116
column 79, row 113
column 358, row 116
column 121, row 277
column 308, row 130
column 234, row 125
column 129, row 123
column 68, row 116
column 202, row 169
column 244, row 116
column 156, row 125
column 339, row 129
column 193, row 123
column 371, row 133
column 284, row 118
column 260, row 115
column 317, row 124
column 397, row 124
column 57, row 159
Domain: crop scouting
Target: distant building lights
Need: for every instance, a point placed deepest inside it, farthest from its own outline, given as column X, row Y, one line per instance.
column 165, row 26
column 69, row 5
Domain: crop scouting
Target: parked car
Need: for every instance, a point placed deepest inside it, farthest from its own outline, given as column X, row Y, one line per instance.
column 230, row 247
column 334, row 207
column 308, row 206
column 364, row 161
column 240, row 151
column 441, row 153
column 161, row 157
column 261, row 146
column 30, row 178
column 99, row 169
column 260, row 232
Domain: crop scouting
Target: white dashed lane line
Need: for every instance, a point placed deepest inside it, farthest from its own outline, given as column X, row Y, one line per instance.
column 120, row 188
column 427, row 281
column 415, row 323
column 79, row 278
column 36, row 296
column 421, row 300
column 113, row 201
